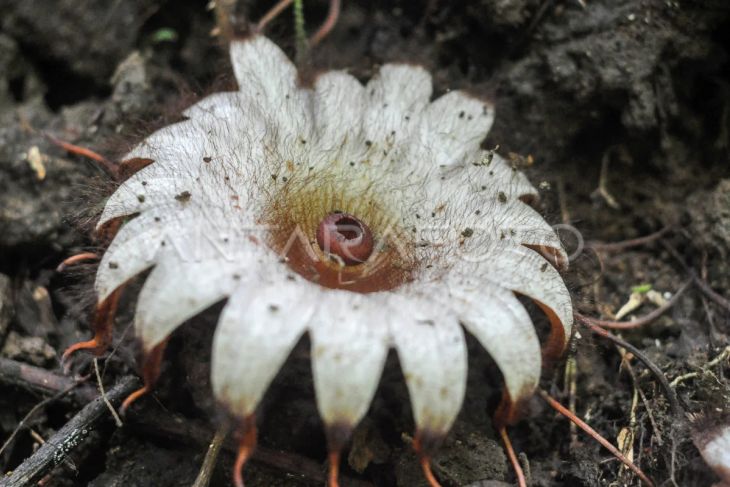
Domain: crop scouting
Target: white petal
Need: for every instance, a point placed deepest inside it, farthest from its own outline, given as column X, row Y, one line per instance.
column 179, row 143
column 395, row 99
column 267, row 77
column 433, row 356
column 227, row 105
column 526, row 272
column 488, row 176
column 177, row 290
column 256, row 332
column 714, row 445
column 140, row 193
column 349, row 336
column 203, row 189
column 338, row 103
column 503, row 327
column 453, row 127
column 526, row 226
column 132, row 251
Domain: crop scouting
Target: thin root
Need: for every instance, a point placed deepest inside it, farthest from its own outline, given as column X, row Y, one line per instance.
column 105, row 163
column 668, row 391
column 328, row 24
column 272, row 14
column 594, row 434
column 521, row 482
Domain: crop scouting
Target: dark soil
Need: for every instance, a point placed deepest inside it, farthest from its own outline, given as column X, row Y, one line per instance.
column 638, row 87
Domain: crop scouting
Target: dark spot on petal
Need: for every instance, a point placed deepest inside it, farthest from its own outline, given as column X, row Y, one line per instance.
column 468, row 232
column 113, row 265
column 183, row 197
column 207, row 159
column 140, row 198
column 461, row 114
column 273, row 308
column 502, row 197
column 368, row 143
column 543, row 267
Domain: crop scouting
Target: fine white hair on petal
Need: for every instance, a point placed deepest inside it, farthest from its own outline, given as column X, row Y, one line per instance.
column 256, row 332
column 338, row 104
column 452, row 127
column 267, row 77
column 503, row 327
column 132, row 251
column 528, row 273
column 173, row 293
column 487, row 174
column 432, row 352
column 396, row 98
column 226, row 105
column 179, row 143
column 350, row 342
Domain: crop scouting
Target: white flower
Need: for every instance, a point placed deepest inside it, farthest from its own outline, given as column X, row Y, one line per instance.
column 365, row 216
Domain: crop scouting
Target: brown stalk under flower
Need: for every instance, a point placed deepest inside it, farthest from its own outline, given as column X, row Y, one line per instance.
column 103, row 327
column 246, row 447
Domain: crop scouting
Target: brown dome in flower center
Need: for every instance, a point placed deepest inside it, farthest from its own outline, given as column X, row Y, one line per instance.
column 344, row 236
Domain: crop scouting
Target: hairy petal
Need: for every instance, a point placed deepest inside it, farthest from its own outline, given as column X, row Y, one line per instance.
column 526, row 272
column 176, row 291
column 504, row 328
column 132, row 251
column 432, row 353
column 453, row 127
column 267, row 77
column 349, row 345
column 396, row 98
column 338, row 103
column 256, row 332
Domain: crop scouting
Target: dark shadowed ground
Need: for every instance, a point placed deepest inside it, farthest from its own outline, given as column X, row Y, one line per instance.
column 632, row 96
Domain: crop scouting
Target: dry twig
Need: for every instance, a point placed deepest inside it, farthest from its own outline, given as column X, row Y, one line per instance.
column 68, row 438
